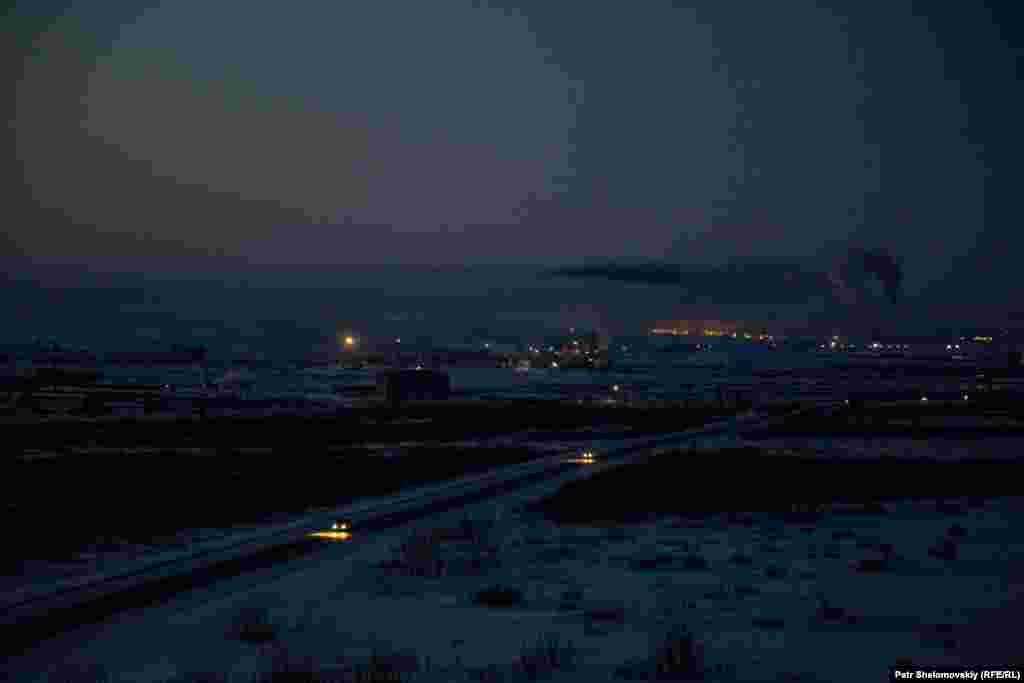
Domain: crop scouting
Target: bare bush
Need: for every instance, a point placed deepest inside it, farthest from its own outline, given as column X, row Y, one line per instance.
column 252, row 624
column 547, row 655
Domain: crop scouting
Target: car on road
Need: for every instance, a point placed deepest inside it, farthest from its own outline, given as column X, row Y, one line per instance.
column 584, row 458
column 340, row 530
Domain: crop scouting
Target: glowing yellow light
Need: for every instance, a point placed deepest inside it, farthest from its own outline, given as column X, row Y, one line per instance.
column 332, row 535
column 350, row 341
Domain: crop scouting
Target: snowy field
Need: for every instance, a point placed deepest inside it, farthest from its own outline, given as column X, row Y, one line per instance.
column 840, row 598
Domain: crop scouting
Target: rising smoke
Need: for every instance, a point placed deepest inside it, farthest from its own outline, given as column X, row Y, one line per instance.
column 849, row 282
column 861, row 265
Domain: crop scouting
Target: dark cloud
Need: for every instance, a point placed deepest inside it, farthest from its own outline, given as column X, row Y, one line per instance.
column 861, row 264
column 752, row 283
column 167, row 140
column 841, row 294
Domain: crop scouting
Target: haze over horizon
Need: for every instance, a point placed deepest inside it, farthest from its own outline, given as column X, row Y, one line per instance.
column 256, row 142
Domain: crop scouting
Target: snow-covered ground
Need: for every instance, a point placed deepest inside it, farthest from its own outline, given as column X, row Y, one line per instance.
column 999, row 447
column 836, row 600
column 105, row 558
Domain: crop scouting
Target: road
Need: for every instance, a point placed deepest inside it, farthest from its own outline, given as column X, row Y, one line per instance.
column 39, row 613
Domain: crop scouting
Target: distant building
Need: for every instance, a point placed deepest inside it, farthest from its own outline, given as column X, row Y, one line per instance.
column 712, row 328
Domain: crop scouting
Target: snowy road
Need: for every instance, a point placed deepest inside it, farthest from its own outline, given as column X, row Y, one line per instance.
column 35, row 613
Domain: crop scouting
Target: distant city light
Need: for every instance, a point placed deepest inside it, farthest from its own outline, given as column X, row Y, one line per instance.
column 350, row 340
column 924, row 399
column 615, row 387
column 554, row 364
column 965, row 397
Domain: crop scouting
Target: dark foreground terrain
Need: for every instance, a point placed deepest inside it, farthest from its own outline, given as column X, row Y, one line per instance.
column 991, row 414
column 89, row 485
column 60, row 506
column 751, row 480
column 438, row 421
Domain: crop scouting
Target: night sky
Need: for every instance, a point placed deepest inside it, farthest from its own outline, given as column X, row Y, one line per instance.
column 193, row 136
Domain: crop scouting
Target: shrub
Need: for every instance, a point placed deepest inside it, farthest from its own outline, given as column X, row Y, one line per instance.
column 253, row 625
column 956, row 531
column 392, row 667
column 201, row 677
column 769, row 622
column 81, row 673
column 740, row 558
column 485, row 674
column 946, row 549
column 499, row 596
column 678, row 655
column 287, row 668
column 419, row 555
column 743, row 590
column 829, row 612
column 695, row 562
column 547, row 655
column 613, row 613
